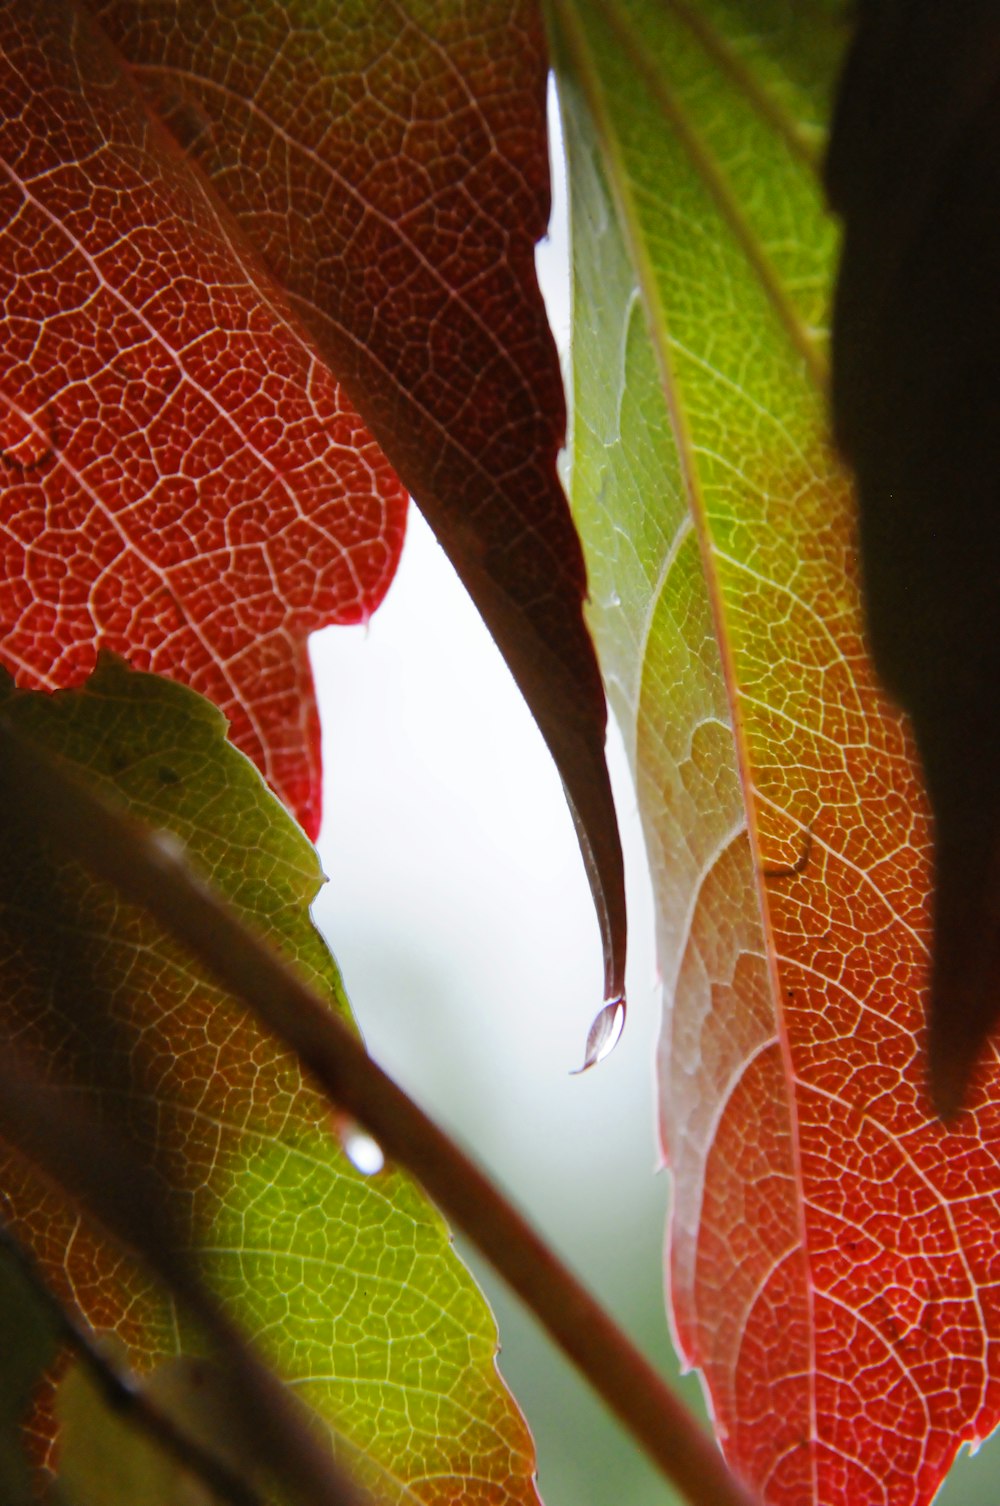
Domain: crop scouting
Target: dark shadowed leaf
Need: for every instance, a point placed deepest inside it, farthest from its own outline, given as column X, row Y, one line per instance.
column 28, row 1344
column 105, row 1461
column 914, row 170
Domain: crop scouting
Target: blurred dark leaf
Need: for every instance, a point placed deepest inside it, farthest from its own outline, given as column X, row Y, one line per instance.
column 914, row 170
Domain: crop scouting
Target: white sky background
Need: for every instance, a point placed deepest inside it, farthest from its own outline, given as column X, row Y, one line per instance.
column 461, row 917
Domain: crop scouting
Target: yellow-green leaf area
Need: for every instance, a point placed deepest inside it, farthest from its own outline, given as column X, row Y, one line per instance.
column 347, row 1283
column 713, row 75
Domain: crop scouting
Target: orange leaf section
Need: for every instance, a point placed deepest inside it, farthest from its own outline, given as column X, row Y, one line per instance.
column 183, row 480
column 834, row 1248
column 390, row 161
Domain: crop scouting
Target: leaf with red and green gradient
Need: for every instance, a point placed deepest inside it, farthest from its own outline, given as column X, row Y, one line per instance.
column 182, row 479
column 348, row 1284
column 389, row 159
column 833, row 1249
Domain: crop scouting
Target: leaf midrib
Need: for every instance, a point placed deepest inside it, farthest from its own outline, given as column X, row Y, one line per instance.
column 714, row 178
column 728, row 62
column 623, row 192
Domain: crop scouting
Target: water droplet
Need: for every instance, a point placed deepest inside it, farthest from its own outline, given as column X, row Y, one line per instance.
column 166, row 847
column 364, row 1153
column 604, row 1033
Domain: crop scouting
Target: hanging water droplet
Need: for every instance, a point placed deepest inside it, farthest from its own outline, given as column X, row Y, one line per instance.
column 364, row 1153
column 604, row 1033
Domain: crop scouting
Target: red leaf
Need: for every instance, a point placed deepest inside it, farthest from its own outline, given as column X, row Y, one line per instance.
column 394, row 173
column 183, row 481
column 834, row 1249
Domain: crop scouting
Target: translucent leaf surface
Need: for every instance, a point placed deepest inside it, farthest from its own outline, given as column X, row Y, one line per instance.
column 390, row 161
column 833, row 1250
column 348, row 1283
column 182, row 480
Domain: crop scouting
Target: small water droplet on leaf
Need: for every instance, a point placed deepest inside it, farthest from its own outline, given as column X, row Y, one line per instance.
column 364, row 1153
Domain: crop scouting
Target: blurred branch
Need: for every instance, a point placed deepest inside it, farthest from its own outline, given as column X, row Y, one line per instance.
column 149, row 869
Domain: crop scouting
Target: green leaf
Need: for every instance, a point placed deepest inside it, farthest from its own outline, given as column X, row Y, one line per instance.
column 348, row 1283
column 831, row 1269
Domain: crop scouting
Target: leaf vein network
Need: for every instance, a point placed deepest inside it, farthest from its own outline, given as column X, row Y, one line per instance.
column 780, row 588
column 686, row 931
column 297, row 147
column 842, row 858
column 943, row 1203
